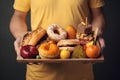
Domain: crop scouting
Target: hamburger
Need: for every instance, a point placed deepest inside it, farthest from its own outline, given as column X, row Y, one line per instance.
column 68, row 44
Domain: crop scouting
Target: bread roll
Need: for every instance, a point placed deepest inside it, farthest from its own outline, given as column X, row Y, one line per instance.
column 31, row 38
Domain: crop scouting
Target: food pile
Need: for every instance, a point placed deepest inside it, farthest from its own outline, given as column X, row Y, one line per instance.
column 59, row 43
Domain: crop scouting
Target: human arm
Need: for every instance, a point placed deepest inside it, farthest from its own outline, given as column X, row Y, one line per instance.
column 18, row 24
column 98, row 21
column 18, row 28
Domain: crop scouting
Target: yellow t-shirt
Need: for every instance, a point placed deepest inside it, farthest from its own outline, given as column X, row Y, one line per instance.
column 63, row 12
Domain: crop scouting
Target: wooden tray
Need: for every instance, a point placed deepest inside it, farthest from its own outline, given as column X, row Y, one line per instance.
column 82, row 60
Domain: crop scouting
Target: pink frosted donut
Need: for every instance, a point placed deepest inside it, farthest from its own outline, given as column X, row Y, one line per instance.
column 56, row 32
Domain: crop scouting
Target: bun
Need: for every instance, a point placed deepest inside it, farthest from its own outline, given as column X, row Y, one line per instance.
column 68, row 44
column 31, row 38
column 71, row 49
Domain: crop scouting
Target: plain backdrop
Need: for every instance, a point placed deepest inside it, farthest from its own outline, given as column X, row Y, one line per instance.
column 10, row 69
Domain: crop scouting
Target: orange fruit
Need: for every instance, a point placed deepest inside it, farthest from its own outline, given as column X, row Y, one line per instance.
column 71, row 32
column 92, row 51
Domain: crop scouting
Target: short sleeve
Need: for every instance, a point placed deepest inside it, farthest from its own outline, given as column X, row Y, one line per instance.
column 96, row 3
column 22, row 5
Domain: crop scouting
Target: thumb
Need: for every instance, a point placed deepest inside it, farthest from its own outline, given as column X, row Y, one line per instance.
column 17, row 46
column 102, row 43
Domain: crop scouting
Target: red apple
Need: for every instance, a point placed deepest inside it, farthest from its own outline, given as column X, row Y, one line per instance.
column 28, row 51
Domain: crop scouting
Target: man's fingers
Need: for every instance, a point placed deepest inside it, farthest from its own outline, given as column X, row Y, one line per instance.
column 17, row 46
column 102, row 43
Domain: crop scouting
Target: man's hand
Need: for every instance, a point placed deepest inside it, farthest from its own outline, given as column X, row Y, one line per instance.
column 101, row 41
column 87, row 29
column 17, row 46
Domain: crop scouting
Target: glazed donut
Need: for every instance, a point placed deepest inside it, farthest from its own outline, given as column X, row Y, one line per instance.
column 56, row 32
column 48, row 50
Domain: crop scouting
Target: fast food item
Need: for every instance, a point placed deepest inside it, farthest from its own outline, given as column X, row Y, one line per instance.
column 68, row 44
column 71, row 32
column 85, row 33
column 78, row 52
column 28, row 51
column 85, row 38
column 31, row 38
column 48, row 50
column 56, row 32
